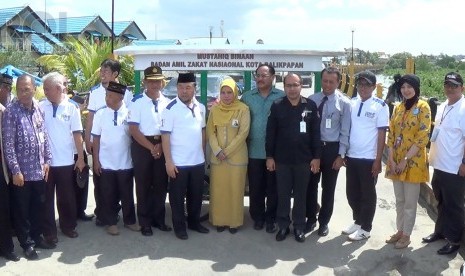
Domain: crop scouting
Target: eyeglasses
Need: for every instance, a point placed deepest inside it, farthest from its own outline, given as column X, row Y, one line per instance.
column 451, row 85
column 292, row 85
column 261, row 76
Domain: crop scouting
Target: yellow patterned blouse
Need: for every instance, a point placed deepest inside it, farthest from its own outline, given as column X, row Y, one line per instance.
column 410, row 128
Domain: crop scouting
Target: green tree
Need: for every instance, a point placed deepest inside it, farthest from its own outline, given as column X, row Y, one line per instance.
column 80, row 62
column 446, row 61
column 423, row 63
column 397, row 61
column 19, row 59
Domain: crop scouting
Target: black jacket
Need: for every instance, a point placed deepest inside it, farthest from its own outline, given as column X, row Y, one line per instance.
column 284, row 141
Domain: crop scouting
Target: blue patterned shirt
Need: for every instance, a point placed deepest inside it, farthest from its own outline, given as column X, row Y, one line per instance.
column 259, row 111
column 25, row 141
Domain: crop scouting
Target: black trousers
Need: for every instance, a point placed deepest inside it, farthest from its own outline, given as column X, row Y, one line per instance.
column 361, row 191
column 262, row 191
column 187, row 184
column 292, row 180
column 81, row 193
column 27, row 203
column 6, row 242
column 116, row 186
column 449, row 192
column 151, row 185
column 61, row 179
column 328, row 176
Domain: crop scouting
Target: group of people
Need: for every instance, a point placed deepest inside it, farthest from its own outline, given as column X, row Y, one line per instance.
column 283, row 143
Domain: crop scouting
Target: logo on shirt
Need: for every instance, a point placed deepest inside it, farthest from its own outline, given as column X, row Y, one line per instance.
column 370, row 115
column 65, row 117
column 235, row 123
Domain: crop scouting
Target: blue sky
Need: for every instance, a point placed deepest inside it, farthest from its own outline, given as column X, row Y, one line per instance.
column 391, row 26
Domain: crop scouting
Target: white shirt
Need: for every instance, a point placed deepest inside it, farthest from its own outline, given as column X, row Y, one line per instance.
column 446, row 152
column 366, row 118
column 115, row 140
column 185, row 128
column 97, row 98
column 61, row 122
column 146, row 115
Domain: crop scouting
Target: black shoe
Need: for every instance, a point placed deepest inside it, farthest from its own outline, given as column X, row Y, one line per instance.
column 86, row 217
column 43, row 244
column 299, row 235
column 282, row 233
column 30, row 253
column 309, row 227
column 323, row 230
column 51, row 239
column 432, row 238
column 448, row 249
column 199, row 228
column 232, row 230
column 271, row 227
column 99, row 223
column 11, row 256
column 181, row 235
column 220, row 228
column 164, row 228
column 146, row 231
column 70, row 233
column 258, row 225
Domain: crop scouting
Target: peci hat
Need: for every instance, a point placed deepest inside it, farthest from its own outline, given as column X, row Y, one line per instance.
column 116, row 87
column 454, row 78
column 82, row 178
column 366, row 75
column 186, row 77
column 6, row 79
column 153, row 73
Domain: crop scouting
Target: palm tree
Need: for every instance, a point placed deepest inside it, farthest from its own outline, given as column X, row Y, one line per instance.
column 80, row 62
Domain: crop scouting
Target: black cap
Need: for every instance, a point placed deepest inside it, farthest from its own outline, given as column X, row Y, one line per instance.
column 82, row 178
column 116, row 87
column 7, row 79
column 186, row 77
column 153, row 73
column 454, row 78
column 366, row 75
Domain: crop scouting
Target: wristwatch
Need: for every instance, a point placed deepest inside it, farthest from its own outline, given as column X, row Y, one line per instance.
column 463, row 160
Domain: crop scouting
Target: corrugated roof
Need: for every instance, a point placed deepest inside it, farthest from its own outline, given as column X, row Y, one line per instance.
column 8, row 13
column 40, row 45
column 53, row 39
column 69, row 25
column 156, row 42
column 119, row 26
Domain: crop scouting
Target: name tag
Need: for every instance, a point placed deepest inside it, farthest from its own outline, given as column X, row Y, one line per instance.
column 328, row 123
column 303, row 127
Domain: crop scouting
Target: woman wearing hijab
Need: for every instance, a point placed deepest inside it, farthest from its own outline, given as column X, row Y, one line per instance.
column 227, row 129
column 407, row 162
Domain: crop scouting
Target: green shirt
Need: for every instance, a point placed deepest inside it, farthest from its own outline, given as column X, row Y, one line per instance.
column 259, row 111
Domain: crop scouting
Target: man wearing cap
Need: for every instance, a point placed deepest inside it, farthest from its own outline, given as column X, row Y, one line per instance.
column 6, row 82
column 112, row 160
column 147, row 153
column 447, row 157
column 109, row 71
column 369, row 121
column 27, row 153
column 64, row 127
column 334, row 111
column 183, row 141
